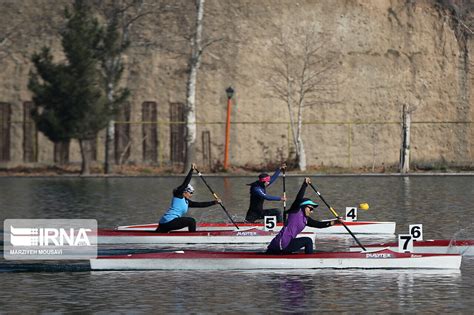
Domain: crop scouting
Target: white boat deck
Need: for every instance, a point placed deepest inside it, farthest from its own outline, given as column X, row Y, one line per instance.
column 357, row 227
column 208, row 260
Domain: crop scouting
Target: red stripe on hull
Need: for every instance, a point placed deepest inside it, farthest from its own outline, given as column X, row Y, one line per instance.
column 243, row 233
column 382, row 254
column 428, row 243
column 245, row 224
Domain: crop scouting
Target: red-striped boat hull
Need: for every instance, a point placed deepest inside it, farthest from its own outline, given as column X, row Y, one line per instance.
column 211, row 260
column 357, row 227
column 249, row 236
column 463, row 247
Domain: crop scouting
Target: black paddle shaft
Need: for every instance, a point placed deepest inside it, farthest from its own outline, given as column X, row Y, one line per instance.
column 284, row 195
column 335, row 214
column 215, row 196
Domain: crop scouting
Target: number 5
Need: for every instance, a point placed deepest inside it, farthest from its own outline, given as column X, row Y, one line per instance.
column 270, row 223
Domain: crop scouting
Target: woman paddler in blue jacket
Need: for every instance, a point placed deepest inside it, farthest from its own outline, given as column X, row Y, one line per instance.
column 173, row 218
column 286, row 241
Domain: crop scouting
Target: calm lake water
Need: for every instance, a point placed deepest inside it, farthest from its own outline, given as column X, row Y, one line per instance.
column 443, row 204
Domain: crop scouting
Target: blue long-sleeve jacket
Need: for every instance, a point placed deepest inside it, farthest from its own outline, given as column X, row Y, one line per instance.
column 179, row 205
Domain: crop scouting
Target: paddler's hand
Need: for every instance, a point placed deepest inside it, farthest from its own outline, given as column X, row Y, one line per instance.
column 282, row 198
column 307, row 180
column 193, row 166
column 218, row 201
column 338, row 220
column 283, row 166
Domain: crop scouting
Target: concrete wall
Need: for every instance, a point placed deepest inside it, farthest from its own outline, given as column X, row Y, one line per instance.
column 391, row 53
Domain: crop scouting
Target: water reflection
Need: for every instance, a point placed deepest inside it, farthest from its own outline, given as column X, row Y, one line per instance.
column 406, row 192
column 300, row 291
column 292, row 293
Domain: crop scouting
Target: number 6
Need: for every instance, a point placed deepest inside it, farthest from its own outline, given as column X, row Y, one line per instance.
column 416, row 231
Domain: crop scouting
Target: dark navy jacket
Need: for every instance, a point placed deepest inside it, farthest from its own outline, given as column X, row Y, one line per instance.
column 258, row 195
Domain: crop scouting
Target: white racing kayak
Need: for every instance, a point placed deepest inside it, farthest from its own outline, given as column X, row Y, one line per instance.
column 249, row 236
column 463, row 247
column 212, row 260
column 357, row 227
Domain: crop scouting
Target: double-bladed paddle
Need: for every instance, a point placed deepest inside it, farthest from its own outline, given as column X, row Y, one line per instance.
column 217, row 198
column 337, row 216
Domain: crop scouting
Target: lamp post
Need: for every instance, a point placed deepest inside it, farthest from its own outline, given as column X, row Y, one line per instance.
column 230, row 92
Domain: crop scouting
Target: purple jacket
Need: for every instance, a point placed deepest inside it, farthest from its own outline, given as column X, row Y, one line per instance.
column 295, row 223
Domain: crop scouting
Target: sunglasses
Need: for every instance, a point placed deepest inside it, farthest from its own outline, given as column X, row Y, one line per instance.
column 310, row 208
column 190, row 192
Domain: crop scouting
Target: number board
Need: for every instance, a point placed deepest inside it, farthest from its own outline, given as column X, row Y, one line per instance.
column 405, row 243
column 269, row 223
column 351, row 214
column 416, row 231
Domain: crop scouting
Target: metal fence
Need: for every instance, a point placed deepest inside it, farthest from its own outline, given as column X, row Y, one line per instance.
column 171, row 135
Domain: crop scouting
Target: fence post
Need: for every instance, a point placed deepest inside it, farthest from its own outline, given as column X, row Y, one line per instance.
column 405, row 150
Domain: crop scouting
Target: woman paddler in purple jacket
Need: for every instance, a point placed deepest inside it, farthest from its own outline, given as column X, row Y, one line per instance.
column 286, row 241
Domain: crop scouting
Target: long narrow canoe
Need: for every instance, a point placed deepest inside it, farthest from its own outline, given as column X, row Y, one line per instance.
column 250, row 236
column 463, row 247
column 210, row 260
column 357, row 227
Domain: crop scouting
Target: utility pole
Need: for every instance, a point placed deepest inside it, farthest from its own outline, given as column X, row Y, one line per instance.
column 230, row 92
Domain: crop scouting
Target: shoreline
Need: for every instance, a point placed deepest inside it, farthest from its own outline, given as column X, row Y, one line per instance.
column 126, row 171
column 225, row 174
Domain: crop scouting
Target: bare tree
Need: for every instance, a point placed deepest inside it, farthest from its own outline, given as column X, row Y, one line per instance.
column 12, row 27
column 301, row 76
column 463, row 13
column 194, row 64
column 119, row 17
column 6, row 36
column 183, row 38
column 19, row 31
column 198, row 46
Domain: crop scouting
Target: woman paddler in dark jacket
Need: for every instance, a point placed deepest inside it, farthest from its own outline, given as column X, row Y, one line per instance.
column 173, row 218
column 286, row 241
column 258, row 195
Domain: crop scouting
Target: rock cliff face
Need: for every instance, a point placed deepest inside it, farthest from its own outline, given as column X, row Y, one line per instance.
column 391, row 53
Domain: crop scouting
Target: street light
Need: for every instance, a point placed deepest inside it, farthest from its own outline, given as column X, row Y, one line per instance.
column 230, row 92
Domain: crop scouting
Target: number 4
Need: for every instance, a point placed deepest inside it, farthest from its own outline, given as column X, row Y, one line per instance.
column 351, row 214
